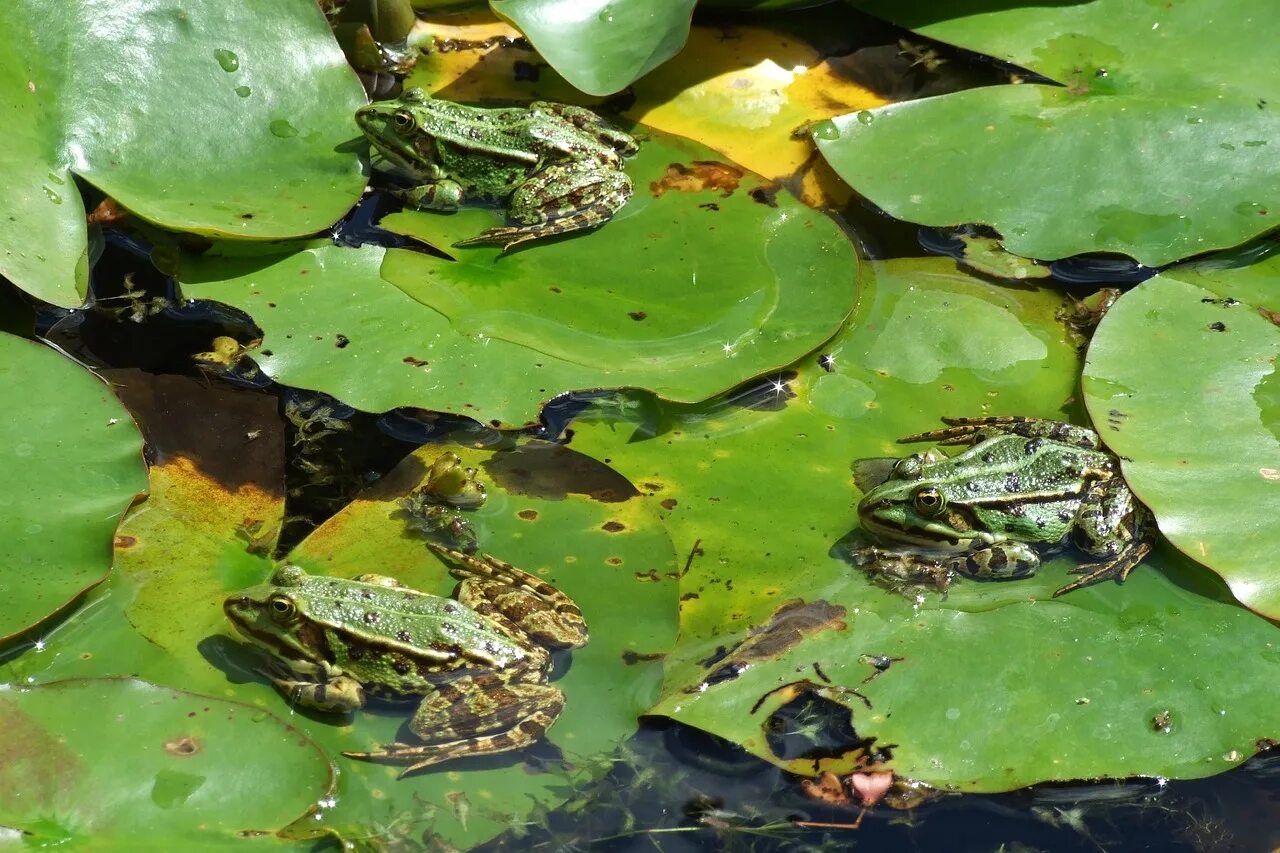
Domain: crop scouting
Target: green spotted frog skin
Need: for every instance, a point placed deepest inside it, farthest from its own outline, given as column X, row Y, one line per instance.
column 475, row 667
column 1024, row 487
column 555, row 168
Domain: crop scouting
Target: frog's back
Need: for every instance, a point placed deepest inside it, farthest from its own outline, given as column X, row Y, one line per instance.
column 399, row 641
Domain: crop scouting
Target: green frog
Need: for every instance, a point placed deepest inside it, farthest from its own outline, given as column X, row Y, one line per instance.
column 556, row 168
column 1023, row 487
column 476, row 666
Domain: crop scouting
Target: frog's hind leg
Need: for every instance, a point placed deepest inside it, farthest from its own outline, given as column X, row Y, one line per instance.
column 973, row 430
column 498, row 590
column 478, row 715
column 563, row 198
column 1114, row 526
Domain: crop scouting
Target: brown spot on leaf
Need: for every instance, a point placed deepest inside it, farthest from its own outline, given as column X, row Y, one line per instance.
column 414, row 362
column 699, row 176
column 528, row 514
column 182, row 746
column 614, row 561
column 768, row 196
column 637, row 315
column 125, row 541
column 792, row 622
column 1268, row 314
column 669, row 504
column 613, row 526
column 631, row 658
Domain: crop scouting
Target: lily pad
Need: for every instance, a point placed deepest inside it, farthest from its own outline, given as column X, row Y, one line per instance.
column 249, row 109
column 626, row 38
column 1202, row 451
column 729, row 278
column 992, row 687
column 1156, row 139
column 109, row 761
column 73, row 463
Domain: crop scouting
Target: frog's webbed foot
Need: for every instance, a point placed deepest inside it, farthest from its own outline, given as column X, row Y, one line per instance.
column 1118, row 568
column 973, row 430
column 468, row 717
column 563, row 198
column 1114, row 526
column 496, row 589
column 444, row 195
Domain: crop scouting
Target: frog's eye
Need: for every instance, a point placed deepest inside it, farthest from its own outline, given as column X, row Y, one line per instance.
column 403, row 120
column 282, row 608
column 928, row 500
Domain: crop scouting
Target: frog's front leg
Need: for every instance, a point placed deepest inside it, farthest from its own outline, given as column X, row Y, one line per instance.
column 997, row 561
column 506, row 595
column 335, row 695
column 476, row 715
column 562, row 198
column 444, row 194
column 973, row 430
column 1114, row 526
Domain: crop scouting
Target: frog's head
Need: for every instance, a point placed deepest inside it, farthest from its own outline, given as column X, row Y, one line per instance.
column 273, row 616
column 908, row 507
column 394, row 128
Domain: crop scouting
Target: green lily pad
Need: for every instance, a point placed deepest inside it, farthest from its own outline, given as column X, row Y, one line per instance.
column 110, row 761
column 992, row 687
column 73, row 463
column 1157, row 140
column 728, row 279
column 627, row 38
column 1202, row 451
column 248, row 109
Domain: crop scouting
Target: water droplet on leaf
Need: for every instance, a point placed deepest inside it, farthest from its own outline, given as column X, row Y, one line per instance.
column 283, row 129
column 228, row 60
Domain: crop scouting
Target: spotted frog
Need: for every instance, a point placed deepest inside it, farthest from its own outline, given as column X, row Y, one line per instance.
column 556, row 168
column 476, row 666
column 1025, row 486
